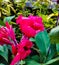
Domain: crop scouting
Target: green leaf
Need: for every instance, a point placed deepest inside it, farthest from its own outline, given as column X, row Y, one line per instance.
column 52, row 52
column 57, row 48
column 1, row 22
column 22, row 62
column 32, row 39
column 1, row 64
column 9, row 47
column 52, row 61
column 42, row 41
column 36, row 58
column 8, row 19
column 1, row 48
column 5, row 53
column 54, row 35
column 32, row 62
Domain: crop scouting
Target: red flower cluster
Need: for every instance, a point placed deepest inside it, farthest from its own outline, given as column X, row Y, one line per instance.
column 31, row 25
column 22, row 50
column 6, row 34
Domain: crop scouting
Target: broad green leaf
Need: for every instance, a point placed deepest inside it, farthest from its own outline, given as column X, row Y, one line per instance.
column 54, row 35
column 5, row 53
column 42, row 41
column 52, row 61
column 57, row 48
column 1, row 48
column 9, row 47
column 1, row 64
column 36, row 58
column 52, row 52
column 55, row 63
column 32, row 62
column 8, row 19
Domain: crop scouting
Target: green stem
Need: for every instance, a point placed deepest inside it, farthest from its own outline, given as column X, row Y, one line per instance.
column 36, row 50
column 13, row 23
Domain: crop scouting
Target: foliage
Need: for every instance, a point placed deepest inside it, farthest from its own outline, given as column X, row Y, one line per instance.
column 41, row 8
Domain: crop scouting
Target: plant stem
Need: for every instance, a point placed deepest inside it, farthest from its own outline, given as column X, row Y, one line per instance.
column 36, row 49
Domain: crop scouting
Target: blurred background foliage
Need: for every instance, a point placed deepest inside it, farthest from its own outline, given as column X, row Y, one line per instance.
column 45, row 8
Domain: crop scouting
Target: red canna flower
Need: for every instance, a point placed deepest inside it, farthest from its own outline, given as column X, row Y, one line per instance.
column 16, row 59
column 30, row 25
column 25, row 43
column 23, row 50
column 10, row 31
column 14, row 49
column 7, row 35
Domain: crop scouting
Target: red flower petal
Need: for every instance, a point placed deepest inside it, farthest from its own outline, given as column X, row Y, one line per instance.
column 14, row 49
column 29, row 25
column 7, row 25
column 23, row 21
column 25, row 54
column 25, row 43
column 10, row 31
column 28, row 31
column 38, row 26
column 16, row 59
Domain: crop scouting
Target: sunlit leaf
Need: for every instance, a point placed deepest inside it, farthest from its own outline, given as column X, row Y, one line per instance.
column 8, row 19
column 1, row 64
column 32, row 39
column 1, row 49
column 52, row 61
column 54, row 35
